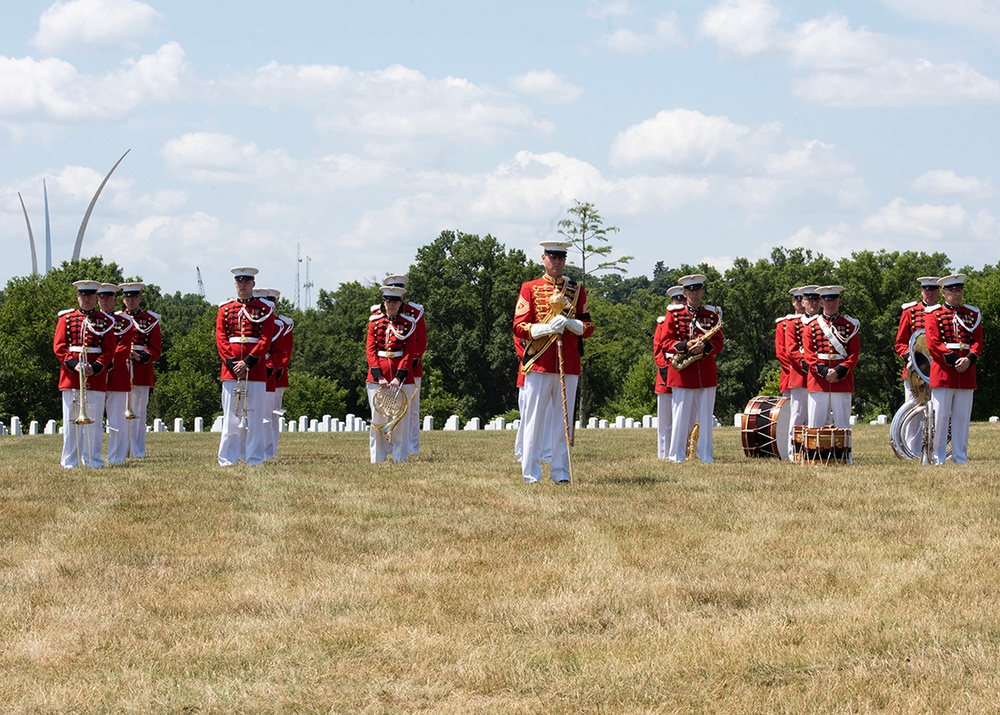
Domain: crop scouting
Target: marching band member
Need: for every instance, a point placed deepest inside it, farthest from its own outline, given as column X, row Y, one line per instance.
column 911, row 321
column 284, row 351
column 118, row 385
column 955, row 340
column 662, row 355
column 272, row 360
column 694, row 385
column 243, row 331
column 540, row 324
column 831, row 348
column 417, row 336
column 84, row 344
column 146, row 348
column 389, row 366
column 788, row 350
column 799, row 392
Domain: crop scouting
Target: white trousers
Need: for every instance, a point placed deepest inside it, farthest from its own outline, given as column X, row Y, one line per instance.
column 271, row 428
column 690, row 405
column 137, row 427
column 413, row 417
column 543, row 429
column 798, row 405
column 824, row 404
column 954, row 407
column 378, row 447
column 82, row 443
column 664, row 421
column 239, row 444
column 118, row 434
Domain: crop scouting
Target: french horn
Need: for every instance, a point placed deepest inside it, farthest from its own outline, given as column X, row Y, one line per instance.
column 392, row 403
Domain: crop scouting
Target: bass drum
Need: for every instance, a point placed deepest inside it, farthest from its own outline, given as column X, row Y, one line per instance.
column 764, row 427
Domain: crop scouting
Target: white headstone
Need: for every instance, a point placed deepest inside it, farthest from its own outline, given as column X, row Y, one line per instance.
column 738, row 419
column 360, row 425
column 291, row 426
column 313, row 425
column 472, row 425
column 452, row 424
column 217, row 424
column 647, row 421
column 592, row 423
column 349, row 423
column 428, row 423
column 619, row 421
column 602, row 424
column 199, row 424
column 994, row 418
column 15, row 426
column 882, row 419
column 159, row 426
column 50, row 427
column 303, row 423
column 854, row 419
column 178, row 424
column 33, row 427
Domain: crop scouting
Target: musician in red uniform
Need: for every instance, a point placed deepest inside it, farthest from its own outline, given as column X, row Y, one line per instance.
column 550, row 311
column 413, row 312
column 243, row 331
column 662, row 355
column 84, row 344
column 116, row 394
column 831, row 348
column 389, row 366
column 911, row 321
column 273, row 360
column 694, row 385
column 955, row 340
column 798, row 391
column 146, row 348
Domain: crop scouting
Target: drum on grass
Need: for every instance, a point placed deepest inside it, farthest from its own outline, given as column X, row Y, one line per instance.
column 825, row 446
column 764, row 427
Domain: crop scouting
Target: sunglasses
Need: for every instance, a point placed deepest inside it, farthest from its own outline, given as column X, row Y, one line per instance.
column 243, row 279
column 829, row 297
column 695, row 286
column 957, row 286
column 391, row 299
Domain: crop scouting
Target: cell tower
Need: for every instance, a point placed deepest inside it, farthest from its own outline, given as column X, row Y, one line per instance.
column 201, row 285
column 308, row 284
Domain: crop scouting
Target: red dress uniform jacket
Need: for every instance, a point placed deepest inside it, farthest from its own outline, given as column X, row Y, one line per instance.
column 910, row 322
column 953, row 333
column 118, row 379
column 388, row 350
column 683, row 324
column 781, row 326
column 798, row 370
column 533, row 307
column 243, row 331
column 418, row 336
column 287, row 342
column 662, row 355
column 274, row 357
column 73, row 337
column 147, row 343
column 822, row 353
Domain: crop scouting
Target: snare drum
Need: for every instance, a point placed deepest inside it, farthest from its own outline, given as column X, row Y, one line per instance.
column 764, row 427
column 826, row 445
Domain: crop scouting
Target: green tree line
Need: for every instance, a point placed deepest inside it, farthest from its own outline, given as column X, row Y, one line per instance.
column 468, row 285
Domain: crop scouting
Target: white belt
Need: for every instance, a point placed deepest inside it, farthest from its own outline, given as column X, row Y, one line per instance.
column 390, row 353
column 830, row 356
column 957, row 346
column 244, row 339
column 78, row 349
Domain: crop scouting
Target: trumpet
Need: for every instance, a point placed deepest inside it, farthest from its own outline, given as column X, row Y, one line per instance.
column 684, row 359
column 82, row 418
column 393, row 403
column 240, row 393
column 129, row 414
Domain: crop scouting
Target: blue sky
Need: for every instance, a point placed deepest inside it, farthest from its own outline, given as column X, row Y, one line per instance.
column 358, row 131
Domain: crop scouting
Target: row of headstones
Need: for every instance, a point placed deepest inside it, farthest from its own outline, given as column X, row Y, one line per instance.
column 353, row 423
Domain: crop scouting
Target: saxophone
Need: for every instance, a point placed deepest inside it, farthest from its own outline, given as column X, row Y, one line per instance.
column 684, row 359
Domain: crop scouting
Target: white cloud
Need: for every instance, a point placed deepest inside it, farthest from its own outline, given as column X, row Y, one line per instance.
column 607, row 10
column 392, row 108
column 665, row 33
column 93, row 24
column 944, row 181
column 850, row 67
column 745, row 28
column 679, row 137
column 927, row 221
column 900, row 84
column 982, row 16
column 53, row 90
column 214, row 157
column 546, row 86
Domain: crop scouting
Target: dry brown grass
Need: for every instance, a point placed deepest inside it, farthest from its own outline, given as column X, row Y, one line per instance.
column 321, row 583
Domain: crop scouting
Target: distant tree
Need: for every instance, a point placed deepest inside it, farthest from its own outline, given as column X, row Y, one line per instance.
column 313, row 396
column 468, row 286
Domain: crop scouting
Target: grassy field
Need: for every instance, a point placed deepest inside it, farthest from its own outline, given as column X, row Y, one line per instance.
column 322, row 584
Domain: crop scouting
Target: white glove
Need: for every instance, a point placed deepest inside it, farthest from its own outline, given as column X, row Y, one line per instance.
column 574, row 326
column 558, row 323
column 539, row 330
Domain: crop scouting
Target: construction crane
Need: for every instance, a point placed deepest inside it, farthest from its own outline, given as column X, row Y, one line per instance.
column 201, row 285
